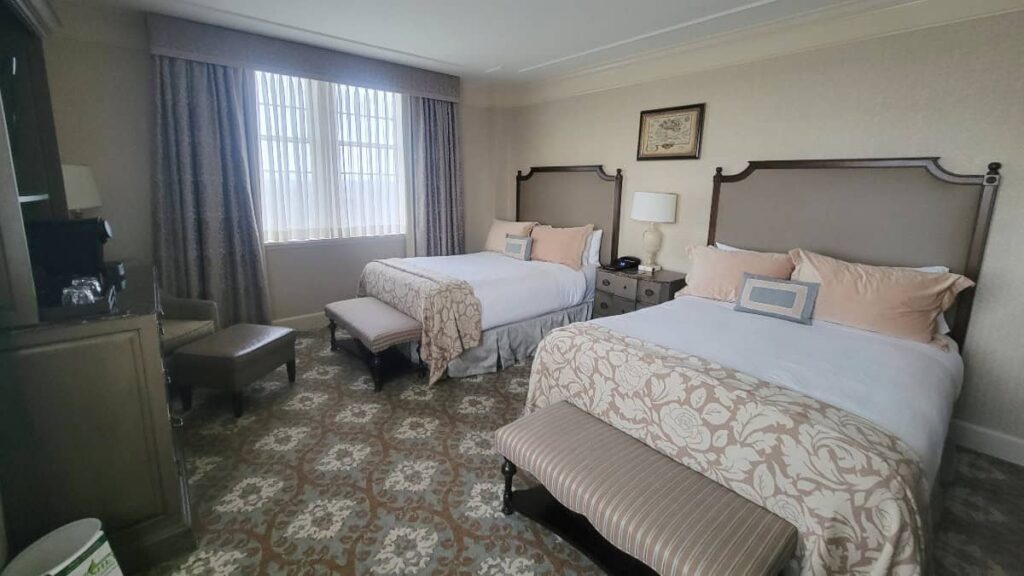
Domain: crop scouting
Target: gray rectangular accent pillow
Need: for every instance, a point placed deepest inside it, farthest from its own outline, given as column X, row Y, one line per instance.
column 518, row 246
column 784, row 299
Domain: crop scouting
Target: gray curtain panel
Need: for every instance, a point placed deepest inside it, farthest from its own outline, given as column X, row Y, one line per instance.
column 207, row 242
column 436, row 177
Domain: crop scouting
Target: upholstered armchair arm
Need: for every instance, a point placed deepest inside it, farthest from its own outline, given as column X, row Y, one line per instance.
column 190, row 309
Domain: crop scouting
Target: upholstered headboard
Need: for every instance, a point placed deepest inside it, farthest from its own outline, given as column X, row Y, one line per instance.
column 887, row 212
column 573, row 196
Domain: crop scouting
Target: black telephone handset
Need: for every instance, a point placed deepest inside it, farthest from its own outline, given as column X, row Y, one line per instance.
column 624, row 263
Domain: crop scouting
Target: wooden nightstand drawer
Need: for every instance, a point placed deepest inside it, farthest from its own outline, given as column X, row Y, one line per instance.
column 652, row 292
column 606, row 304
column 621, row 286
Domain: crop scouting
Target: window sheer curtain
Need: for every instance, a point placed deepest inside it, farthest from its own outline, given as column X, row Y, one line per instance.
column 331, row 159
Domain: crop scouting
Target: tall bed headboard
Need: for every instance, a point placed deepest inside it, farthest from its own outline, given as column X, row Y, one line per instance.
column 886, row 212
column 573, row 196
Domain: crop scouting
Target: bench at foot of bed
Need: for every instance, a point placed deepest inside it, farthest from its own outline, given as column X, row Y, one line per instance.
column 376, row 327
column 635, row 505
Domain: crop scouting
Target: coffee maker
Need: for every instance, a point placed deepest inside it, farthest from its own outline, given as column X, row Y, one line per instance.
column 63, row 250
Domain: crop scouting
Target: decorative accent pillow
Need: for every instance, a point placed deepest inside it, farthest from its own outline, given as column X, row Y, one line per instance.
column 502, row 228
column 518, row 247
column 784, row 299
column 717, row 274
column 900, row 302
column 560, row 245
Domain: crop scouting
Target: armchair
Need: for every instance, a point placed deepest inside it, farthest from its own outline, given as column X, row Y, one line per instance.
column 186, row 320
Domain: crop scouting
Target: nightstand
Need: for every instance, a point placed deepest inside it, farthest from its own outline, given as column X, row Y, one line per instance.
column 625, row 291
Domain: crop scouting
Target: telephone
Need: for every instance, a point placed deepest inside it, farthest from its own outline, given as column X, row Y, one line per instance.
column 624, row 263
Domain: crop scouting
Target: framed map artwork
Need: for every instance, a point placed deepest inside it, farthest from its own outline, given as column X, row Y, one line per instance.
column 671, row 133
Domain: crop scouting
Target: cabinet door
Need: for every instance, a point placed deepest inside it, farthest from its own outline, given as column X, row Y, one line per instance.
column 84, row 432
column 17, row 292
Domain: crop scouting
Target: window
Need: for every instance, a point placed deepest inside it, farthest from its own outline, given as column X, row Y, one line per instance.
column 331, row 158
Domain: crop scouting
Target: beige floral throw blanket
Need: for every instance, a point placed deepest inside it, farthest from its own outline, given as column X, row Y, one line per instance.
column 447, row 308
column 854, row 491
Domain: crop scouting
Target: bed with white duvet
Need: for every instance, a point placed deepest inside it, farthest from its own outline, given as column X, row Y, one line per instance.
column 908, row 388
column 512, row 290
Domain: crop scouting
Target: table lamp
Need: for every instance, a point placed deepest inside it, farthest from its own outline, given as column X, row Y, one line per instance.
column 80, row 189
column 654, row 208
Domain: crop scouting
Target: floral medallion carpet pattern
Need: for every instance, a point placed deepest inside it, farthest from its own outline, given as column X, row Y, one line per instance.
column 328, row 477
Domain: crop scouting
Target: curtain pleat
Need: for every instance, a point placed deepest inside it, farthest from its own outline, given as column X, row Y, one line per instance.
column 206, row 236
column 436, row 177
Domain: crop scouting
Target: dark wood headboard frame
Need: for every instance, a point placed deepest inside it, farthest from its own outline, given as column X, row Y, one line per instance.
column 598, row 170
column 989, row 183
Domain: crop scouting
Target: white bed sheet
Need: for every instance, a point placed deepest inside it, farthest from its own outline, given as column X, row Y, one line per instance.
column 906, row 387
column 512, row 290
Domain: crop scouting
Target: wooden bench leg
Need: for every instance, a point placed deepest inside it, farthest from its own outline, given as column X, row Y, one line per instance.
column 290, row 366
column 334, row 336
column 508, row 470
column 376, row 369
column 236, row 403
column 421, row 368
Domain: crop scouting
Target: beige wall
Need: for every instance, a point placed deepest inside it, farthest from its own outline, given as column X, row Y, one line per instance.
column 955, row 91
column 103, row 112
column 100, row 82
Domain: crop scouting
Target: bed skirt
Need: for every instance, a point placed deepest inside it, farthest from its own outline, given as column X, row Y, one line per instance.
column 514, row 343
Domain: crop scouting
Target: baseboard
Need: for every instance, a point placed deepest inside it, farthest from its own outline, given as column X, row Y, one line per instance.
column 306, row 322
column 988, row 441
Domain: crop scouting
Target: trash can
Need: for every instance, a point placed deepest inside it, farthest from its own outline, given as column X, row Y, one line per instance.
column 76, row 549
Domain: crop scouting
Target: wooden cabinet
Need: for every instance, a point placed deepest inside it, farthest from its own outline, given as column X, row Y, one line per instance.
column 29, row 119
column 85, row 431
column 619, row 292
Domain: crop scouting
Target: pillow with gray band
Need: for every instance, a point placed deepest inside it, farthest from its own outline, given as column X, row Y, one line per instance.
column 518, row 247
column 784, row 299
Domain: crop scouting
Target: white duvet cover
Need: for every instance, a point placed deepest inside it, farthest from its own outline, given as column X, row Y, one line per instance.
column 906, row 387
column 512, row 290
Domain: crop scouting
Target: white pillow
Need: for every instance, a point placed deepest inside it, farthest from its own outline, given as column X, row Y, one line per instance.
column 592, row 252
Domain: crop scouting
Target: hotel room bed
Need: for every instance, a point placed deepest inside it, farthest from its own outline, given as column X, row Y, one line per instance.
column 908, row 388
column 512, row 290
column 837, row 430
column 485, row 310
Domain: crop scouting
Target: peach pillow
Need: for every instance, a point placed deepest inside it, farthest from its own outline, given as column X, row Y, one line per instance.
column 502, row 228
column 900, row 302
column 560, row 245
column 717, row 274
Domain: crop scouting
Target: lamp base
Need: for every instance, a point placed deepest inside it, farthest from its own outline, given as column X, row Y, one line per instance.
column 642, row 269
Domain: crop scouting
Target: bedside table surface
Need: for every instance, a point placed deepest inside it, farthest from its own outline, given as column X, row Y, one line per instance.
column 659, row 276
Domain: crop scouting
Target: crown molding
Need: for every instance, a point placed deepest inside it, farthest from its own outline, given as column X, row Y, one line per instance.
column 39, row 15
column 820, row 30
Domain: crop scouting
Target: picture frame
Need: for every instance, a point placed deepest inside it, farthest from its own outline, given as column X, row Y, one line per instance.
column 673, row 133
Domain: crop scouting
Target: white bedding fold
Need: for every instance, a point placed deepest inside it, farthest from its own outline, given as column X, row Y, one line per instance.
column 511, row 290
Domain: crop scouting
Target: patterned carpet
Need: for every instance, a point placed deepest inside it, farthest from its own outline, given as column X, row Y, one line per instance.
column 327, row 477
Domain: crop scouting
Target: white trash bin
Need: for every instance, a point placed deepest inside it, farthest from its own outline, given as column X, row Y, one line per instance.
column 76, row 549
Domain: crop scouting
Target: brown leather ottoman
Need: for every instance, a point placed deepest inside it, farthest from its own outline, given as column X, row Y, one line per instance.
column 232, row 358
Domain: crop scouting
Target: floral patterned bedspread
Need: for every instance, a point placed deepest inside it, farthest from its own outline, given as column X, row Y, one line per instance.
column 447, row 308
column 854, row 491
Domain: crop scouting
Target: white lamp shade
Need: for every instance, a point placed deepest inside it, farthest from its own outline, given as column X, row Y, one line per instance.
column 80, row 188
column 654, row 207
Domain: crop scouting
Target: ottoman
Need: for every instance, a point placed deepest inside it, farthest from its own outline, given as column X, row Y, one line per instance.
column 232, row 358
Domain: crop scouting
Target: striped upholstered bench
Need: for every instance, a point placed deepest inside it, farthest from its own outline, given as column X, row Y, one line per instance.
column 375, row 325
column 638, row 500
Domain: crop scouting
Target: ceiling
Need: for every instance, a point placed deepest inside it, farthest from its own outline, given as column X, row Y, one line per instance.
column 501, row 40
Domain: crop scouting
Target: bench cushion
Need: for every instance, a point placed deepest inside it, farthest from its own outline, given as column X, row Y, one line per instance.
column 377, row 325
column 672, row 518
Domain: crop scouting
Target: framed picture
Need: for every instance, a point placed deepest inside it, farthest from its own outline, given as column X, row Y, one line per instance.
column 671, row 133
